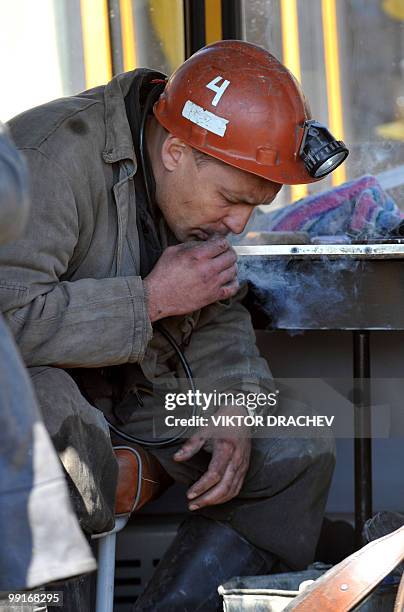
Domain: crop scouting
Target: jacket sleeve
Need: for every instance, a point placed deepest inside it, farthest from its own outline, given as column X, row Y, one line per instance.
column 88, row 322
column 223, row 354
column 13, row 190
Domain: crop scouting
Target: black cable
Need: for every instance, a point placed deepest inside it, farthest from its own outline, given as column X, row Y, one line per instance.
column 188, row 372
column 181, row 356
column 151, row 98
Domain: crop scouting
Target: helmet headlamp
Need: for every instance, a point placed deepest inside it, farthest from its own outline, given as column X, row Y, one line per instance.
column 320, row 151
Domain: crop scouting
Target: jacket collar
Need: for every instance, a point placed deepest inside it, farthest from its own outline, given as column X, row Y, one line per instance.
column 119, row 143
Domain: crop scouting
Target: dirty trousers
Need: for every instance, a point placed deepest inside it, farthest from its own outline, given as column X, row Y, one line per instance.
column 279, row 508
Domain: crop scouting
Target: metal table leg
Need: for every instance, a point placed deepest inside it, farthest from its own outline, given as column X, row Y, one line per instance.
column 362, row 442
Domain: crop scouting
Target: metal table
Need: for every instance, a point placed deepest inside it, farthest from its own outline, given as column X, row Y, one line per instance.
column 370, row 283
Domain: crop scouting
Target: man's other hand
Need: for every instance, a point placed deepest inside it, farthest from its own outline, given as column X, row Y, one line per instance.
column 228, row 465
column 189, row 276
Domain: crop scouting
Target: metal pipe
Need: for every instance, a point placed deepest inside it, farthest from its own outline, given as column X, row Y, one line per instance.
column 333, row 78
column 232, row 20
column 128, row 35
column 194, row 22
column 362, row 442
column 291, row 59
column 213, row 21
column 96, row 42
column 115, row 36
column 106, row 573
column 318, row 251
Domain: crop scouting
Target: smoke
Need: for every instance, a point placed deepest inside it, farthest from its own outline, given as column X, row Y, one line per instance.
column 300, row 293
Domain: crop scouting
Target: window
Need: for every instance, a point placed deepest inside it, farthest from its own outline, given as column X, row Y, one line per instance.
column 349, row 57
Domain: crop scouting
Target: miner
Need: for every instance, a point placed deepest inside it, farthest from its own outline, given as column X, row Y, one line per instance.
column 135, row 187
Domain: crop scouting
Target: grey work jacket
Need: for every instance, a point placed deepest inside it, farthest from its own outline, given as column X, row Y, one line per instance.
column 70, row 287
column 14, row 203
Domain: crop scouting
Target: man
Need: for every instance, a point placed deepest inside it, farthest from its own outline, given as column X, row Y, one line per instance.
column 131, row 207
column 40, row 538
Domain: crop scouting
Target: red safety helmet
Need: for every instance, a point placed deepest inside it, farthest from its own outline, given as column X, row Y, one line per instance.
column 235, row 101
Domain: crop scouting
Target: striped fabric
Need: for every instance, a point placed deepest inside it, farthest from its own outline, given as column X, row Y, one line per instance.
column 359, row 208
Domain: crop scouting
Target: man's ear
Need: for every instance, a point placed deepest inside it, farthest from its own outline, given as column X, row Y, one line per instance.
column 174, row 152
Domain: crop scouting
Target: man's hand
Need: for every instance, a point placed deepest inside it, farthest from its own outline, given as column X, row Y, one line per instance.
column 227, row 468
column 189, row 276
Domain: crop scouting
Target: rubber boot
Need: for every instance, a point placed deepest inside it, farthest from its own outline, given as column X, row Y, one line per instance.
column 204, row 554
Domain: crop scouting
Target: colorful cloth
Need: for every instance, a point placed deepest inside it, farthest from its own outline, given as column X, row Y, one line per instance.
column 359, row 208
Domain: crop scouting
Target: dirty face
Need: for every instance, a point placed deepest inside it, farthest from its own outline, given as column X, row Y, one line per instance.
column 204, row 198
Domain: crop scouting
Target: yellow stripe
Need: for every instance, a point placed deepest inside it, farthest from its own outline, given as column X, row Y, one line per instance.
column 394, row 8
column 96, row 43
column 213, row 21
column 333, row 78
column 128, row 35
column 290, row 37
column 291, row 59
column 167, row 17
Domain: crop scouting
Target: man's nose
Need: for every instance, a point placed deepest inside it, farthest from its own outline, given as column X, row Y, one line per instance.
column 237, row 220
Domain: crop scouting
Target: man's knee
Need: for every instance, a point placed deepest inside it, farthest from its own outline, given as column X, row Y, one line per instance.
column 60, row 398
column 80, row 435
column 278, row 462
